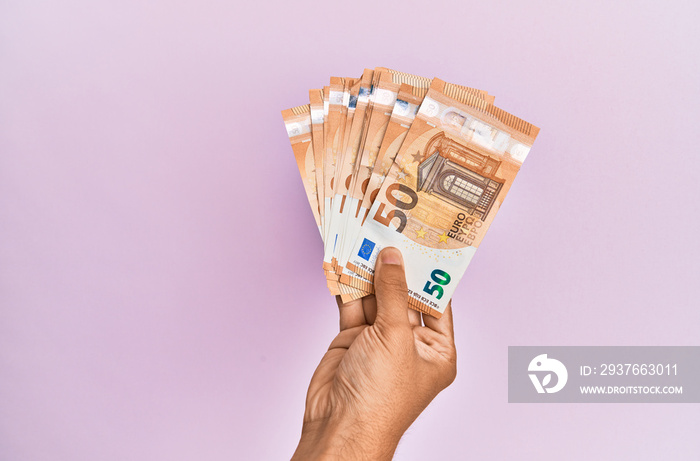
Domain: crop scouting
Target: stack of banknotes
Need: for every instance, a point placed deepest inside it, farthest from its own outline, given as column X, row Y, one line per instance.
column 394, row 159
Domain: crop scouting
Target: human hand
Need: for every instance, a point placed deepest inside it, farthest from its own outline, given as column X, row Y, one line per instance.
column 379, row 373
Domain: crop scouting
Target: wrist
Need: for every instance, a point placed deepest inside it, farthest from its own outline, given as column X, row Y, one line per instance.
column 345, row 438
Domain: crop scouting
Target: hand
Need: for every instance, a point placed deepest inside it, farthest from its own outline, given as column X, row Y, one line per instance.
column 379, row 373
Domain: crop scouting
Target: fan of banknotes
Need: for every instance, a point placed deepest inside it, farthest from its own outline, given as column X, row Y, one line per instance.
column 393, row 159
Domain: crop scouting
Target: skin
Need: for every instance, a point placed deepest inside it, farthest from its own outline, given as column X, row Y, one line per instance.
column 382, row 370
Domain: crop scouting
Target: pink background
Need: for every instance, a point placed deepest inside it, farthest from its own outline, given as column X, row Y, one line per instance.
column 161, row 296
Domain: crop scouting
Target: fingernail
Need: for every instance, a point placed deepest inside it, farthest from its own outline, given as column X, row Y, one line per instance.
column 390, row 255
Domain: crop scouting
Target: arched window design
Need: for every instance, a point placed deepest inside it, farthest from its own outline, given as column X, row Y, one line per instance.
column 462, row 189
column 460, row 175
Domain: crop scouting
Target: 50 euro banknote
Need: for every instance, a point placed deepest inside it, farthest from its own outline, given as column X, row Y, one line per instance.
column 297, row 121
column 449, row 178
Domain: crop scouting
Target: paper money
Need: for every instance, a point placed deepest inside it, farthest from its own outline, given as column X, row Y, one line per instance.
column 316, row 108
column 297, row 120
column 394, row 129
column 414, row 163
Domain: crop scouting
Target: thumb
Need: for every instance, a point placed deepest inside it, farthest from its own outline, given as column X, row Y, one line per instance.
column 390, row 288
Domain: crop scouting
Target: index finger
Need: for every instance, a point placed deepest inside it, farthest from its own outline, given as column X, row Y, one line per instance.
column 444, row 324
column 351, row 313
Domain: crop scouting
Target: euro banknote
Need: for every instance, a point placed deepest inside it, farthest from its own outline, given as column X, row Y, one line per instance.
column 418, row 164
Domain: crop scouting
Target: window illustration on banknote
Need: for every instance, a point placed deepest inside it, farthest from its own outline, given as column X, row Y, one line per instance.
column 459, row 175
